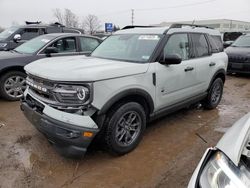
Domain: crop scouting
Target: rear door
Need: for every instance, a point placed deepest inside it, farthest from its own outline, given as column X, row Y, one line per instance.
column 204, row 60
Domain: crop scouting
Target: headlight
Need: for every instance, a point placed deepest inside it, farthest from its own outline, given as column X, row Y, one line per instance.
column 73, row 94
column 2, row 45
column 220, row 172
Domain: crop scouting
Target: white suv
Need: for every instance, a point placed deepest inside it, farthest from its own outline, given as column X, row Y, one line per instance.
column 134, row 76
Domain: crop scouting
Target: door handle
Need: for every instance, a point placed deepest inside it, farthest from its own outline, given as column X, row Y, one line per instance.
column 189, row 69
column 212, row 64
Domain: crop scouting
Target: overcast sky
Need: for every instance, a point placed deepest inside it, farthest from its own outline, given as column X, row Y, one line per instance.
column 119, row 12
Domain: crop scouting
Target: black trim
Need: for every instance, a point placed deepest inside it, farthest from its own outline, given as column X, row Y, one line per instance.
column 124, row 94
column 154, row 78
column 172, row 108
column 66, row 137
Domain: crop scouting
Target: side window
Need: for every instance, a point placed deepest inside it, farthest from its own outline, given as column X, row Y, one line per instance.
column 213, row 44
column 29, row 33
column 88, row 44
column 218, row 41
column 177, row 44
column 200, row 45
column 65, row 45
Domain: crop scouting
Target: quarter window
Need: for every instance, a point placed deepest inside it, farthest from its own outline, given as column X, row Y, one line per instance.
column 88, row 44
column 200, row 45
column 30, row 33
column 177, row 44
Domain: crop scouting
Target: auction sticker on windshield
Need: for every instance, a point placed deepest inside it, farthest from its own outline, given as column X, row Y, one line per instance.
column 148, row 37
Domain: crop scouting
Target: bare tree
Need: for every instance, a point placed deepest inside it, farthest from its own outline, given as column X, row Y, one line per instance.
column 68, row 18
column 59, row 15
column 91, row 24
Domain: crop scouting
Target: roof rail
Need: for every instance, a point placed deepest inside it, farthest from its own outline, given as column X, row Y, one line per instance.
column 28, row 23
column 136, row 26
column 179, row 25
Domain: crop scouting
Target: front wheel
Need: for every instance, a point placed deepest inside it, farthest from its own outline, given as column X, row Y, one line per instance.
column 214, row 94
column 125, row 127
column 12, row 85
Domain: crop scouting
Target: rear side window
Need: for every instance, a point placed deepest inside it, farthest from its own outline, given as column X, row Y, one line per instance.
column 30, row 33
column 177, row 44
column 200, row 45
column 88, row 44
column 213, row 44
column 218, row 42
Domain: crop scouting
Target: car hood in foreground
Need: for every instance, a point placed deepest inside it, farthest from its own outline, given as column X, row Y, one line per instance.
column 234, row 140
column 82, row 68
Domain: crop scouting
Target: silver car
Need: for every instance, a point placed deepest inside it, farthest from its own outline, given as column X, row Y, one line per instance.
column 228, row 164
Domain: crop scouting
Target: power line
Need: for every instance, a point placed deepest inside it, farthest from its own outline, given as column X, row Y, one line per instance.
column 177, row 6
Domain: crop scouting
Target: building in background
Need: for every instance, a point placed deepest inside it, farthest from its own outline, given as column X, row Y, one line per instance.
column 223, row 25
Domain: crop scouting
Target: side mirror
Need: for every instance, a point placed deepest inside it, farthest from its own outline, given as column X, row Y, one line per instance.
column 50, row 50
column 17, row 38
column 171, row 60
column 227, row 44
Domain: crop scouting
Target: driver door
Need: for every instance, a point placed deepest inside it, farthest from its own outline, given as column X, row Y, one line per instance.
column 176, row 83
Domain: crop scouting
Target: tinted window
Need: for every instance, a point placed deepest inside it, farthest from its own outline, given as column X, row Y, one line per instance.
column 88, row 44
column 29, row 33
column 65, row 45
column 177, row 44
column 218, row 42
column 200, row 45
column 213, row 44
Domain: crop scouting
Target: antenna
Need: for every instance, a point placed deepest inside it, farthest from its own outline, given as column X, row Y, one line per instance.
column 132, row 16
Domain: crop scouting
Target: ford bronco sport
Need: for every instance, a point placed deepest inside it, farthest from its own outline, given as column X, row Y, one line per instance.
column 134, row 76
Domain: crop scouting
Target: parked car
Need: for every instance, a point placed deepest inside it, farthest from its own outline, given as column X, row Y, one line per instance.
column 227, row 164
column 12, row 75
column 239, row 55
column 133, row 76
column 230, row 37
column 17, row 35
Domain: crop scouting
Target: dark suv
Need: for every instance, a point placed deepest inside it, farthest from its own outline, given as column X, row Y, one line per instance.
column 17, row 35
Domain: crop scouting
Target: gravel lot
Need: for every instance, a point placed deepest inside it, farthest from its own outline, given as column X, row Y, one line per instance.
column 166, row 157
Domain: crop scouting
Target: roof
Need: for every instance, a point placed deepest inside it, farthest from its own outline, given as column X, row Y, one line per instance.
column 168, row 30
column 69, row 35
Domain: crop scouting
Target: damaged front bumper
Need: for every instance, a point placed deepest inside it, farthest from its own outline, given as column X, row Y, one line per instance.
column 71, row 134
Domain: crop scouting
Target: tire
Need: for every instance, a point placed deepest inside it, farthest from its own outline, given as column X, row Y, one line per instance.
column 12, row 85
column 118, row 128
column 214, row 94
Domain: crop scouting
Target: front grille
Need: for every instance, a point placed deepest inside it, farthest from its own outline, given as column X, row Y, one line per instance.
column 42, row 88
column 238, row 59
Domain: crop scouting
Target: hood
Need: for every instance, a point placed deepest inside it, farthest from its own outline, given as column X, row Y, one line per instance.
column 234, row 140
column 5, row 55
column 239, row 51
column 82, row 68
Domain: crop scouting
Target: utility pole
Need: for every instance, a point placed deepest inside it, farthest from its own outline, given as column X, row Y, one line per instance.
column 132, row 16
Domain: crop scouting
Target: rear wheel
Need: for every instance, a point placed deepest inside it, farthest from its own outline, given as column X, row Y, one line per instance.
column 125, row 127
column 214, row 94
column 12, row 85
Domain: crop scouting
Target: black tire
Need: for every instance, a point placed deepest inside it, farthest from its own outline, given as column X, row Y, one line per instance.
column 214, row 94
column 113, row 125
column 3, row 81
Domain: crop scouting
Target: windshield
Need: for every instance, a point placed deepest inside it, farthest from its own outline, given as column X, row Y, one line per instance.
column 243, row 41
column 7, row 32
column 127, row 47
column 34, row 45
